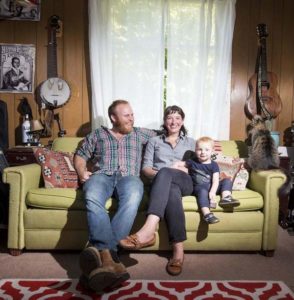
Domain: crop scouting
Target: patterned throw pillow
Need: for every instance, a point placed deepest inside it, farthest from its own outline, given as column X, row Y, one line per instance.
column 57, row 168
column 233, row 168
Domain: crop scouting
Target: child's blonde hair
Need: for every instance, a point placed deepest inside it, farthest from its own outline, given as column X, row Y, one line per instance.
column 205, row 139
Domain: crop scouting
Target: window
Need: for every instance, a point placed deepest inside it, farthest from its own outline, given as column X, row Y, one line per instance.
column 162, row 52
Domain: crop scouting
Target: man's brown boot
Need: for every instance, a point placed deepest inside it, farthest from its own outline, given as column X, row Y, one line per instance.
column 110, row 275
column 89, row 261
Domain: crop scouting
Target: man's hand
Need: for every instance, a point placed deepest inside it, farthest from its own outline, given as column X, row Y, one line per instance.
column 84, row 176
column 81, row 168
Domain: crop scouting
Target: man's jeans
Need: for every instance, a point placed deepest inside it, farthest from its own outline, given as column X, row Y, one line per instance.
column 105, row 233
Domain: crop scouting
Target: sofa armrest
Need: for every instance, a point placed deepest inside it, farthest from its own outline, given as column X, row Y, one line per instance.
column 267, row 183
column 20, row 179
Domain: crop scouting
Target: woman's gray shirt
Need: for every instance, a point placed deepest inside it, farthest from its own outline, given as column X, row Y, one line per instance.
column 159, row 153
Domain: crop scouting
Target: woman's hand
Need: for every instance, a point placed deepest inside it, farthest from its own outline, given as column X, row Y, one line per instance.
column 149, row 172
column 180, row 165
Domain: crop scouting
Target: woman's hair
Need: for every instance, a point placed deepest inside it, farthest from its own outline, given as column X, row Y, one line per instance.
column 171, row 110
column 205, row 139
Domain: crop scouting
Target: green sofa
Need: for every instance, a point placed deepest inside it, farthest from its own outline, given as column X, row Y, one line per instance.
column 50, row 219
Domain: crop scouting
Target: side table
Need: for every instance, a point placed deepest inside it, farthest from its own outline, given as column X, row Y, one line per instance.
column 20, row 155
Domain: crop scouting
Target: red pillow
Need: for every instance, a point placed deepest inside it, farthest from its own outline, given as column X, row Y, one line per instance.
column 57, row 168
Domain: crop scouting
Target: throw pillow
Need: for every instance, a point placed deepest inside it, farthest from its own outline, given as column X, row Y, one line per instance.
column 217, row 147
column 57, row 168
column 241, row 179
column 232, row 168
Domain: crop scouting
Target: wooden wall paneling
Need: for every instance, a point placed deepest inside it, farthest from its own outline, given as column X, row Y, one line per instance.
column 239, row 70
column 254, row 17
column 6, row 27
column 59, row 10
column 266, row 17
column 24, row 33
column 86, row 119
column 41, row 61
column 287, row 66
column 252, row 36
column 53, row 8
column 42, row 40
column 73, row 63
column 85, row 127
column 267, row 13
column 276, row 47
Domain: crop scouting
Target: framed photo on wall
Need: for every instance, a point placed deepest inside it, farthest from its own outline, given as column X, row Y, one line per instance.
column 20, row 9
column 17, row 68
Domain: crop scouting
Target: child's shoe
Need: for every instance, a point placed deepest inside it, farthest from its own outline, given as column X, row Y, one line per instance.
column 228, row 201
column 210, row 218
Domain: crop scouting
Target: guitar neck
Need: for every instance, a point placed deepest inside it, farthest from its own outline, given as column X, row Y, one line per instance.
column 263, row 59
column 262, row 78
column 52, row 55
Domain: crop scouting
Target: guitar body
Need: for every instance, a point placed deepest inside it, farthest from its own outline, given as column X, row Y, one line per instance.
column 263, row 97
column 22, row 86
column 269, row 95
column 55, row 92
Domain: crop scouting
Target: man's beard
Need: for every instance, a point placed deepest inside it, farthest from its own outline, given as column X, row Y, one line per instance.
column 123, row 128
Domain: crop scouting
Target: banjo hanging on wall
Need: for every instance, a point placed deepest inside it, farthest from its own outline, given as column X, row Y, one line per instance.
column 54, row 91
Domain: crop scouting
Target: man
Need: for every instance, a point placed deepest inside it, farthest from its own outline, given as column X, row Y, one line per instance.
column 14, row 79
column 116, row 155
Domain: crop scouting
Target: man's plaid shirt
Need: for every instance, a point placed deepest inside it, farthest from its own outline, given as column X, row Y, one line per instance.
column 109, row 155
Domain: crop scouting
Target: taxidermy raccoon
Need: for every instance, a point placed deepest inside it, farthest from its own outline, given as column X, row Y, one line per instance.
column 264, row 153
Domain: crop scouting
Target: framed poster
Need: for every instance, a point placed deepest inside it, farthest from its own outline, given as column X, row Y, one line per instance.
column 20, row 9
column 17, row 68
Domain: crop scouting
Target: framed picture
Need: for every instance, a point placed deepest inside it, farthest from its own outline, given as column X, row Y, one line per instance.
column 17, row 68
column 20, row 9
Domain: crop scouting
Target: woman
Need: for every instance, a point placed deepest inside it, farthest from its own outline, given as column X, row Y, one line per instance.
column 168, row 186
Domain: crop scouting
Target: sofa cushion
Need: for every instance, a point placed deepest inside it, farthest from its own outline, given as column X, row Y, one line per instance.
column 56, row 198
column 66, row 144
column 249, row 200
column 57, row 168
column 71, row 199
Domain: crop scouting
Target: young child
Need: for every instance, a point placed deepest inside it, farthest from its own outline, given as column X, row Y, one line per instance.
column 205, row 176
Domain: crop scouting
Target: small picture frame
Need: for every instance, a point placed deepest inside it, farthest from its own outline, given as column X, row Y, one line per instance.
column 28, row 10
column 17, row 68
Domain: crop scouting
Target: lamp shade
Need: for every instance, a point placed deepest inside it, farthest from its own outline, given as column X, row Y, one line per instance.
column 36, row 125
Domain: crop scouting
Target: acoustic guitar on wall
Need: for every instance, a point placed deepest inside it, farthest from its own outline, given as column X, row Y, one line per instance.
column 263, row 98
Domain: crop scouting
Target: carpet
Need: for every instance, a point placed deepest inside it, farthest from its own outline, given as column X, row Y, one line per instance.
column 62, row 289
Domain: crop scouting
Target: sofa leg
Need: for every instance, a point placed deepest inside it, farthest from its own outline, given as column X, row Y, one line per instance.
column 269, row 253
column 15, row 252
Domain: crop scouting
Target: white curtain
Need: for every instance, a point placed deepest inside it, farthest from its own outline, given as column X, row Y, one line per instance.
column 128, row 39
column 199, row 42
column 126, row 56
